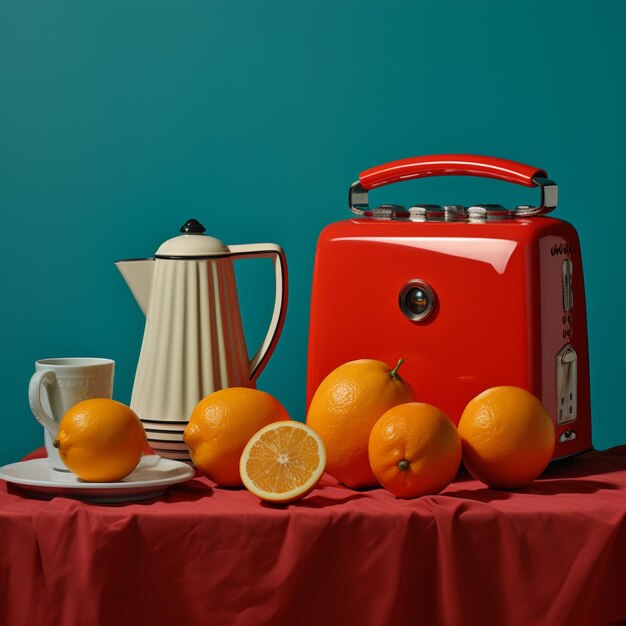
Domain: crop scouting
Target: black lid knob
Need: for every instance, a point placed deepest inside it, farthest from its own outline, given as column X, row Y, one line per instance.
column 192, row 227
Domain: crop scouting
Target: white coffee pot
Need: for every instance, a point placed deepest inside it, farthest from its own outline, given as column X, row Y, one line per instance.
column 193, row 342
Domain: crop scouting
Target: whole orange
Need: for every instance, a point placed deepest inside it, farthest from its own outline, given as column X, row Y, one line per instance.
column 221, row 425
column 508, row 437
column 100, row 440
column 345, row 407
column 414, row 450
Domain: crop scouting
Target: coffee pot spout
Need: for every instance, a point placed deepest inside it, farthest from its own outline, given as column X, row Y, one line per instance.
column 138, row 276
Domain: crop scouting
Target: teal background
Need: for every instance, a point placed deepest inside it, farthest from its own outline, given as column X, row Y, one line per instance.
column 121, row 119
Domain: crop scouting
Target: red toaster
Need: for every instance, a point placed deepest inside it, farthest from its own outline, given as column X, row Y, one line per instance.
column 470, row 297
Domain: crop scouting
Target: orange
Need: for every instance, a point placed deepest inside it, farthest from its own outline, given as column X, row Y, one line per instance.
column 508, row 437
column 414, row 450
column 344, row 409
column 221, row 425
column 283, row 462
column 100, row 440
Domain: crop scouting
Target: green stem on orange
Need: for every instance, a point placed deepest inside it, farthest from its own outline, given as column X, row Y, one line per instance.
column 56, row 443
column 403, row 465
column 394, row 372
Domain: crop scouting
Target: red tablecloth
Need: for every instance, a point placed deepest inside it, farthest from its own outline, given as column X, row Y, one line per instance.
column 551, row 554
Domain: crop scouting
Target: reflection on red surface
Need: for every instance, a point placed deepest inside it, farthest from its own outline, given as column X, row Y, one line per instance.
column 496, row 252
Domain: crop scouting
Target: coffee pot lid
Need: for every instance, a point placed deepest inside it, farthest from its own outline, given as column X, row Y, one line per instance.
column 193, row 243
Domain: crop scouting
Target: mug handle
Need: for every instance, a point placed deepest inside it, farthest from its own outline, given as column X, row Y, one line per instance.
column 274, row 252
column 39, row 379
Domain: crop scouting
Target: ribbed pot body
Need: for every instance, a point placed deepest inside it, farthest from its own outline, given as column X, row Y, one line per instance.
column 193, row 344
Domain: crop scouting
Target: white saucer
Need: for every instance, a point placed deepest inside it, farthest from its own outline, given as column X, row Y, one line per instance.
column 150, row 479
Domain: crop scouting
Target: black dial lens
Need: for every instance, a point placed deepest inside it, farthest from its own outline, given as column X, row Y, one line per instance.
column 417, row 300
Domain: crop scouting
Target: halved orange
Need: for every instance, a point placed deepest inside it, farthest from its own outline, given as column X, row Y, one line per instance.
column 283, row 462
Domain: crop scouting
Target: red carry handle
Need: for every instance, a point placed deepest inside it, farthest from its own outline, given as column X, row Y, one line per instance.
column 450, row 165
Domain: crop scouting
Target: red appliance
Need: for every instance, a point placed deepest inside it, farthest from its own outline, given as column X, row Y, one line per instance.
column 470, row 297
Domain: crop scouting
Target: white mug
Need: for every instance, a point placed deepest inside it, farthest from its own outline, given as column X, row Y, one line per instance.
column 67, row 382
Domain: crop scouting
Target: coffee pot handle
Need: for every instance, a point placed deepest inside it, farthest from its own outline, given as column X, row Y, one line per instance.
column 42, row 379
column 274, row 252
